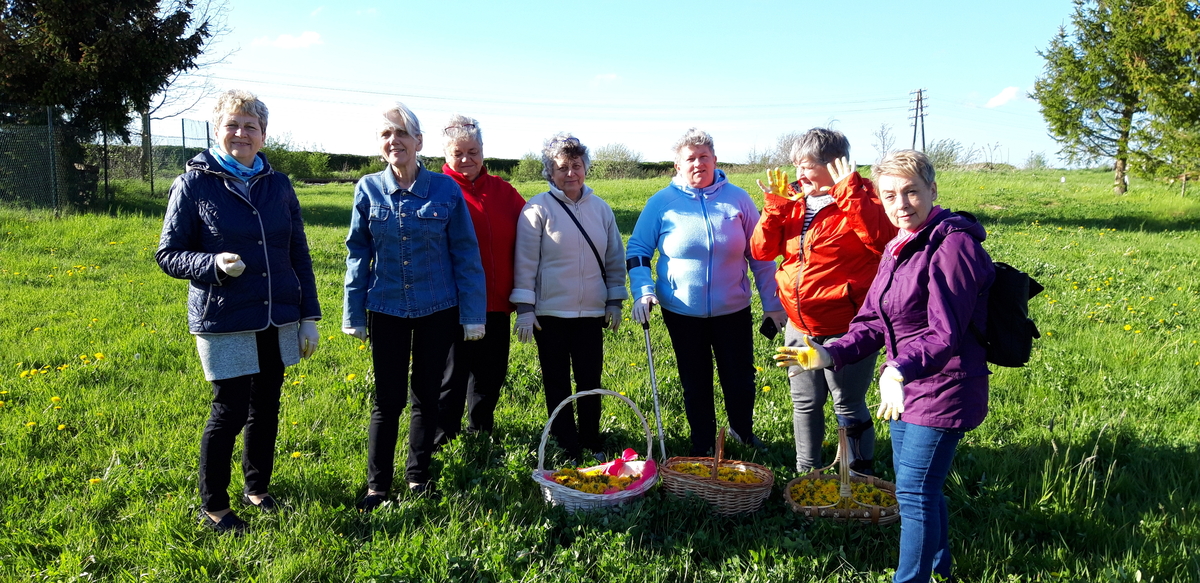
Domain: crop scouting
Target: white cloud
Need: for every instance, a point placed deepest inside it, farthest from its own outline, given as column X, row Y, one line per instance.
column 1006, row 95
column 314, row 13
column 306, row 39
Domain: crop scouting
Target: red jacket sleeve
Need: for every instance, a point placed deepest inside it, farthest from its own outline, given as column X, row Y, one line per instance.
column 769, row 239
column 856, row 197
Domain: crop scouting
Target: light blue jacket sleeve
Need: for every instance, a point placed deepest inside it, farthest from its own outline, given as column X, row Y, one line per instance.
column 764, row 271
column 360, row 249
column 643, row 243
column 468, row 267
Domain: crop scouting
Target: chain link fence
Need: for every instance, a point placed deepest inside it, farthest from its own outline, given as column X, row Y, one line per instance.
column 40, row 164
column 155, row 158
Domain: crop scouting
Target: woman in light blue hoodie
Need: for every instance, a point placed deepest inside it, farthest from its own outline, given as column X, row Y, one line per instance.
column 701, row 226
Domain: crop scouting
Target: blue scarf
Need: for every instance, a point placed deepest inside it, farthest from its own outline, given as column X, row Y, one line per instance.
column 234, row 167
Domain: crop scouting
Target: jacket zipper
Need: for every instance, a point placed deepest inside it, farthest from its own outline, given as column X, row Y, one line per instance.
column 708, row 268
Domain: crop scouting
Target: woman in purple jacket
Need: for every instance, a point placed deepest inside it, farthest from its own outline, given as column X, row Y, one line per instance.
column 932, row 285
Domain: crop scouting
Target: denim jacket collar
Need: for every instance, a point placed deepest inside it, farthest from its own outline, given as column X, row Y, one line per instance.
column 420, row 186
column 560, row 195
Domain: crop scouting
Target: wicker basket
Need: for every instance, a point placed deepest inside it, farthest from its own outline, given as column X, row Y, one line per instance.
column 868, row 513
column 572, row 499
column 726, row 498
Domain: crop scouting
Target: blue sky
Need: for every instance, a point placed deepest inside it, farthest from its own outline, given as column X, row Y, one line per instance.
column 642, row 73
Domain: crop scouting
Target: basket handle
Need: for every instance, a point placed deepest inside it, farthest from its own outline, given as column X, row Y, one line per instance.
column 569, row 399
column 718, row 452
column 843, row 463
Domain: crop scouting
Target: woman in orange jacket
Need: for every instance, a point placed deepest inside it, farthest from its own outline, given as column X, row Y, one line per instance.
column 830, row 229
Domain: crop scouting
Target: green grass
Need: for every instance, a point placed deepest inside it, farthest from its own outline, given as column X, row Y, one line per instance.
column 1087, row 467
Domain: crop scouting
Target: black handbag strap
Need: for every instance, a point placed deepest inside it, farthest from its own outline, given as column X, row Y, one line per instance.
column 599, row 261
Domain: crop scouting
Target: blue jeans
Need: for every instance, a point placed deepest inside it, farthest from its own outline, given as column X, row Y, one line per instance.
column 922, row 457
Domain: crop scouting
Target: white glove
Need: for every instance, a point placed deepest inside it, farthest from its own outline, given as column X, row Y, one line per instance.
column 812, row 357
column 524, row 327
column 612, row 317
column 642, row 306
column 779, row 317
column 473, row 331
column 359, row 332
column 840, row 170
column 891, row 390
column 230, row 263
column 309, row 338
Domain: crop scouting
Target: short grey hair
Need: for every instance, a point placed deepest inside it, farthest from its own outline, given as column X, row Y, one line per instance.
column 239, row 101
column 461, row 127
column 407, row 119
column 821, row 145
column 907, row 163
column 563, row 144
column 693, row 138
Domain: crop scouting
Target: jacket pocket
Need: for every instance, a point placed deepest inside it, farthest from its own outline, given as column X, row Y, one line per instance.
column 377, row 219
column 434, row 217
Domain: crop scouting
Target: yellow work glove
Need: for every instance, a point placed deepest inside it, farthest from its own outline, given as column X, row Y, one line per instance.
column 810, row 357
column 777, row 185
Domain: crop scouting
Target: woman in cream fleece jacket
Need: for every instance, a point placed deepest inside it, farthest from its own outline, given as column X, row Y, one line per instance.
column 568, row 284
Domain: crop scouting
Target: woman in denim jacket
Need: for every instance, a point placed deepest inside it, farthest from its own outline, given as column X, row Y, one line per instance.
column 414, row 283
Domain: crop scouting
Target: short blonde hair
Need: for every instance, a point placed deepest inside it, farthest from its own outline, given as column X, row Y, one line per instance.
column 239, row 101
column 408, row 121
column 906, row 163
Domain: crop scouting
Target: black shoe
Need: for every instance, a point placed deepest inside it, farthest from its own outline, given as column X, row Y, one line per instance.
column 423, row 490
column 228, row 523
column 371, row 501
column 268, row 503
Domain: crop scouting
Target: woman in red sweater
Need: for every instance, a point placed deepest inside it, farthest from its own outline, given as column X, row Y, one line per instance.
column 475, row 371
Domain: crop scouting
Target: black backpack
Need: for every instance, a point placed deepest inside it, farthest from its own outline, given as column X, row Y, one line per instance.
column 1010, row 332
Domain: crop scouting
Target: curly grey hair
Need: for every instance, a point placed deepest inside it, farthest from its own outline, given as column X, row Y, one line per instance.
column 693, row 138
column 461, row 127
column 821, row 145
column 398, row 116
column 239, row 101
column 563, row 144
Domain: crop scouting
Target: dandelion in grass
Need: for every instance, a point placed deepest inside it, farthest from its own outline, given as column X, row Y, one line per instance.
column 767, row 389
column 362, row 346
column 758, row 368
column 57, row 408
column 31, row 424
column 294, row 383
column 622, row 393
column 56, row 399
column 95, row 480
column 296, row 455
column 2, row 403
column 1128, row 327
column 351, row 376
column 99, row 356
column 61, row 427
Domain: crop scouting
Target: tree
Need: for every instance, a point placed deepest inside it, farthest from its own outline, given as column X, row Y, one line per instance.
column 1095, row 91
column 616, row 161
column 98, row 61
column 884, row 140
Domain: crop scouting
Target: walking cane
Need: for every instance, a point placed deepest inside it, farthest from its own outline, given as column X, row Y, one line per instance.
column 662, row 447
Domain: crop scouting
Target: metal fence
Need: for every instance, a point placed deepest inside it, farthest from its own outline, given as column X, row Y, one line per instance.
column 38, row 168
column 154, row 158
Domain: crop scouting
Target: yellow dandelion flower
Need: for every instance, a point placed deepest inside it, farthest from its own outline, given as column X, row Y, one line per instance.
column 36, row 329
column 294, row 383
column 1, row 403
column 767, row 389
column 351, row 376
column 31, row 424
column 296, row 455
column 57, row 408
column 1128, row 327
column 56, row 399
column 95, row 480
column 99, row 356
column 622, row 393
column 61, row 427
column 95, row 319
column 758, row 368
column 362, row 346
column 295, row 422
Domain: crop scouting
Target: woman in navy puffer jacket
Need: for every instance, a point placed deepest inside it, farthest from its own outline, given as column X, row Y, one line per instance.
column 233, row 230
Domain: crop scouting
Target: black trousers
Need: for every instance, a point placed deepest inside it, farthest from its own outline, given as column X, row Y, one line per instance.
column 248, row 404
column 565, row 344
column 697, row 341
column 475, row 373
column 428, row 339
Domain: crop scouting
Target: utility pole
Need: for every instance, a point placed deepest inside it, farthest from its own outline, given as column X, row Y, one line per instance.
column 917, row 100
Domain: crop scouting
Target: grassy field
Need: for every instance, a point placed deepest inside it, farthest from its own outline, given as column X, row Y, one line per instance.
column 1087, row 467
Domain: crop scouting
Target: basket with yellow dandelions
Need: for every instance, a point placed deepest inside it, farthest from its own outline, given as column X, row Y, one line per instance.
column 610, row 484
column 845, row 496
column 730, row 487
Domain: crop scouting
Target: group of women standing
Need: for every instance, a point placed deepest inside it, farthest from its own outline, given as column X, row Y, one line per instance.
column 437, row 263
